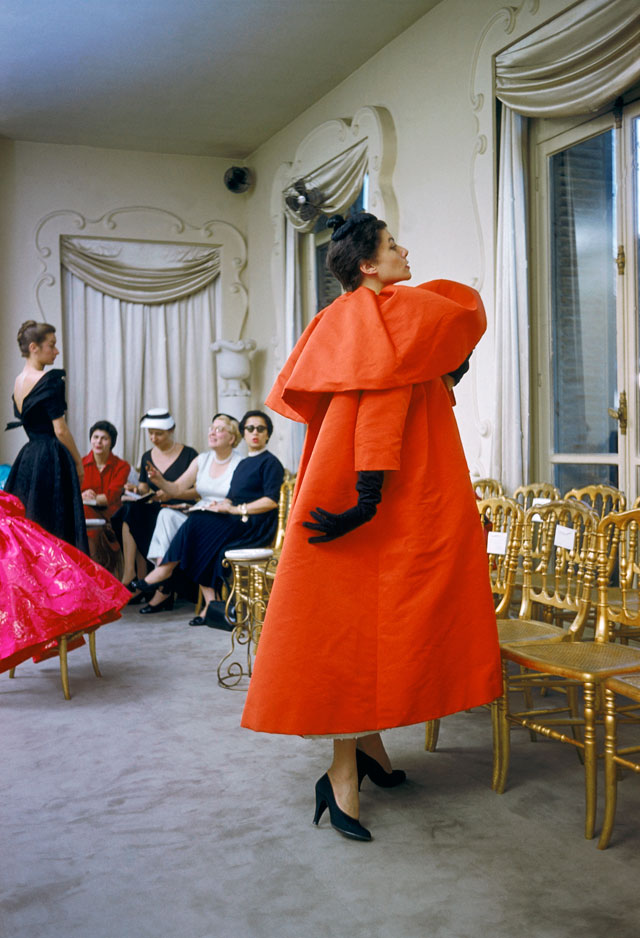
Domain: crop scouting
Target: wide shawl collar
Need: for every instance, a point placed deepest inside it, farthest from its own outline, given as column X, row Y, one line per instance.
column 400, row 337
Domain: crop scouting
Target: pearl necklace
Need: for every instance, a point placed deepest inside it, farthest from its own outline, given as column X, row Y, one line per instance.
column 221, row 462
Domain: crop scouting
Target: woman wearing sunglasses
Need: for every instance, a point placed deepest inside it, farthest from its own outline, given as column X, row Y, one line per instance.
column 247, row 517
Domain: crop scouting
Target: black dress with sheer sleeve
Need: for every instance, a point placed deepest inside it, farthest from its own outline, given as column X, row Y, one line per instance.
column 43, row 475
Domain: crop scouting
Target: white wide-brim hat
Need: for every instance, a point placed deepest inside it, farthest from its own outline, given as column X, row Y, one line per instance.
column 157, row 418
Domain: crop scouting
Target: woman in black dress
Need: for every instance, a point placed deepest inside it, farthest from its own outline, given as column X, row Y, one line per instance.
column 135, row 521
column 248, row 516
column 47, row 472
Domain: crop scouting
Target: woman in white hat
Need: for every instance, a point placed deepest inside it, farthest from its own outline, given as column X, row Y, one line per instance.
column 137, row 519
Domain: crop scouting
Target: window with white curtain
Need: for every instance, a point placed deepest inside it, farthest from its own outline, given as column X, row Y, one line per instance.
column 585, row 300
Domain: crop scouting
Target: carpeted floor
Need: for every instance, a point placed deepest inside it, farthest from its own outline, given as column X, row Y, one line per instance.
column 140, row 809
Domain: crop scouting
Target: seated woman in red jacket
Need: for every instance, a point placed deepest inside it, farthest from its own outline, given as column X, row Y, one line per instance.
column 105, row 475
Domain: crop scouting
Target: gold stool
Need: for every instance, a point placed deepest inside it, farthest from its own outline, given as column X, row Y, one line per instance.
column 249, row 595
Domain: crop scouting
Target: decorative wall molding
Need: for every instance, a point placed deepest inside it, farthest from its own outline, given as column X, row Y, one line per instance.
column 144, row 223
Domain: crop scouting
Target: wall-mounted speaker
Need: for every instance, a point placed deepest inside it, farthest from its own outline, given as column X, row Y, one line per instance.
column 238, row 179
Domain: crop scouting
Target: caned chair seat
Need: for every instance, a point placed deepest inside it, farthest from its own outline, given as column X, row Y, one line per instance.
column 580, row 661
column 528, row 630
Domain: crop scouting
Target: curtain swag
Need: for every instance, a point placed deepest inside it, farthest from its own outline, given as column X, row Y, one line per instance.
column 339, row 180
column 141, row 272
column 575, row 64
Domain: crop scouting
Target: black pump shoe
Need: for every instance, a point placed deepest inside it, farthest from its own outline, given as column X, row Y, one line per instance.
column 368, row 766
column 343, row 823
column 165, row 606
column 140, row 595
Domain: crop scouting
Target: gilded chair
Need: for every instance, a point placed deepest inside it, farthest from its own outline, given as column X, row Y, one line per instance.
column 61, row 647
column 575, row 663
column 525, row 494
column 619, row 605
column 487, row 488
column 502, row 518
column 601, row 497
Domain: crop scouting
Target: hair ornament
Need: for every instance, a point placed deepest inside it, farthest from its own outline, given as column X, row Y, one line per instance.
column 343, row 228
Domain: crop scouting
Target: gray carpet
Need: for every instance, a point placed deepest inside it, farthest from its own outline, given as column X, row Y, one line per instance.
column 140, row 808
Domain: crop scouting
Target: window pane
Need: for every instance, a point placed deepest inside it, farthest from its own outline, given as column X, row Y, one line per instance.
column 583, row 301
column 568, row 476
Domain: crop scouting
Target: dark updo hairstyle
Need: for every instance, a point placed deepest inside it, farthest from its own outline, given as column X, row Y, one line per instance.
column 32, row 331
column 353, row 241
column 107, row 427
column 257, row 413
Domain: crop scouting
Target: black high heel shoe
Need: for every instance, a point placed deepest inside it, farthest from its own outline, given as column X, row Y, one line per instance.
column 142, row 596
column 368, row 766
column 165, row 606
column 343, row 823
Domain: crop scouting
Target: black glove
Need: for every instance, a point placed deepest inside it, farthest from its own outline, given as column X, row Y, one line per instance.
column 332, row 526
column 460, row 371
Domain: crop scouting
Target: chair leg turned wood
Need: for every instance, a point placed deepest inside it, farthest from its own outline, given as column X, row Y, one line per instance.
column 12, row 672
column 431, row 732
column 64, row 668
column 610, row 769
column 92, row 652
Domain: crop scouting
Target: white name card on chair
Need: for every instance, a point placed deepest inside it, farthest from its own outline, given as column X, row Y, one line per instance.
column 537, row 502
column 497, row 542
column 564, row 537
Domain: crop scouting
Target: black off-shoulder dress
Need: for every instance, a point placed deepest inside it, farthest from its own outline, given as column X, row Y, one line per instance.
column 43, row 475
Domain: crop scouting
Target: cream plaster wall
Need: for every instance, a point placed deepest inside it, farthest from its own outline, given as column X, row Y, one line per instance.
column 430, row 80
column 436, row 82
column 37, row 179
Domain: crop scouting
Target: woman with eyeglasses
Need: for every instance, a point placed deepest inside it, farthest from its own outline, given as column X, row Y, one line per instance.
column 246, row 517
column 381, row 612
column 210, row 475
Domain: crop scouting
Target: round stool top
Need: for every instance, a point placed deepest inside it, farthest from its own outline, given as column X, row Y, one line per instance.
column 249, row 554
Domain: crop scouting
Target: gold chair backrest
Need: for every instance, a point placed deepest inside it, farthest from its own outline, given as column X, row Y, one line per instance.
column 502, row 515
column 560, row 578
column 525, row 494
column 284, row 507
column 603, row 499
column 487, row 488
column 618, row 603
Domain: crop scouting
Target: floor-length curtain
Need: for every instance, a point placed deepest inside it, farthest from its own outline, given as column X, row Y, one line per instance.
column 123, row 358
column 575, row 64
column 510, row 450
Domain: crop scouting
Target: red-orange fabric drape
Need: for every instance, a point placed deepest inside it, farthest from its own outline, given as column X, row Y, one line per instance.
column 393, row 623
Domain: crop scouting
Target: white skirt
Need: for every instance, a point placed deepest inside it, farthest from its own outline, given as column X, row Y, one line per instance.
column 169, row 522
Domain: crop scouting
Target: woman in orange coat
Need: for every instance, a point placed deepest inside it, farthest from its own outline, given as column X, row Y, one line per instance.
column 381, row 613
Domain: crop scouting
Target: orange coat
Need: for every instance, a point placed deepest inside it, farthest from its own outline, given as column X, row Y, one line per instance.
column 393, row 623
